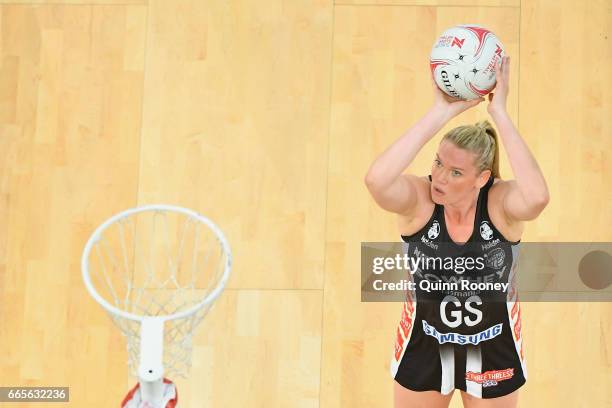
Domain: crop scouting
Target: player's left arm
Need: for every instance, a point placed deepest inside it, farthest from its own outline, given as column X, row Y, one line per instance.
column 526, row 196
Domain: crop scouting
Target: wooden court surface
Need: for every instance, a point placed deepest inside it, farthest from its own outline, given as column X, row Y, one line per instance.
column 265, row 116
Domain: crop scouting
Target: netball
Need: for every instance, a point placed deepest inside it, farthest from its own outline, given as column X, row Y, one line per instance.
column 463, row 61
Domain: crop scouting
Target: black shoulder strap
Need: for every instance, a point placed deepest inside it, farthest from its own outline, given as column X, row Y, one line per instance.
column 484, row 198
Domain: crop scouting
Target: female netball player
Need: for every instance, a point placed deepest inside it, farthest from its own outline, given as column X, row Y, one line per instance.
column 460, row 341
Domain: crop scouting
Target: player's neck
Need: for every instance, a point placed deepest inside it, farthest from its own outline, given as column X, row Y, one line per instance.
column 462, row 212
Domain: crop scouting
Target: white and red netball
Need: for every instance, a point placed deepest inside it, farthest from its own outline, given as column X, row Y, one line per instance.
column 463, row 61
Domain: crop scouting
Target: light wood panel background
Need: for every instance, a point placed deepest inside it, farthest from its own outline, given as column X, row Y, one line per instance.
column 266, row 116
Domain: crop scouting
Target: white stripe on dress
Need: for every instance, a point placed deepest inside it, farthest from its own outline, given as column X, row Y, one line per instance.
column 447, row 359
column 473, row 363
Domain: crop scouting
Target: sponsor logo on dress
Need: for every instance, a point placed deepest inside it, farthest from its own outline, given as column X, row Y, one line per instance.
column 458, row 338
column 490, row 378
column 404, row 329
column 485, row 230
column 434, row 230
column 491, row 244
column 429, row 243
column 432, row 234
column 495, row 258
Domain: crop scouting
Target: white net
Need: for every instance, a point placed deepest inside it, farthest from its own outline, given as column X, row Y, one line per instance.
column 158, row 262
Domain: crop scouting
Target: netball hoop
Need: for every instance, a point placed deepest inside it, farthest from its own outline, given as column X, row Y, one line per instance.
column 156, row 270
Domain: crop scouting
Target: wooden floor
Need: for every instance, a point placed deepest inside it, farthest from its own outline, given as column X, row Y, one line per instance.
column 265, row 115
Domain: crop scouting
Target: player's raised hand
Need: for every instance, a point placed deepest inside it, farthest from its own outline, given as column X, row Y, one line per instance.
column 449, row 105
column 497, row 99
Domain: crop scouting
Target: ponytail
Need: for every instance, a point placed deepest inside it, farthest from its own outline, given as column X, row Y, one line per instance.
column 485, row 126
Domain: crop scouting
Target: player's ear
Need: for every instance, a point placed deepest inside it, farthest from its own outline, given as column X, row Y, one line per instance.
column 483, row 177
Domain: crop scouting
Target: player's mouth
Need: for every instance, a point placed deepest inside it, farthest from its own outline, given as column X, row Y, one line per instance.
column 438, row 191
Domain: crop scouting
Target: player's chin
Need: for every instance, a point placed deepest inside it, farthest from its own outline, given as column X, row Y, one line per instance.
column 438, row 199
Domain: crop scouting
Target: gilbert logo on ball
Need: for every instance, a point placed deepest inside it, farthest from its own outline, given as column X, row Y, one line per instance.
column 463, row 61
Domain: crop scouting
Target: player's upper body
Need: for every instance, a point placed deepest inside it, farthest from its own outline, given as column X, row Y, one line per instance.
column 465, row 159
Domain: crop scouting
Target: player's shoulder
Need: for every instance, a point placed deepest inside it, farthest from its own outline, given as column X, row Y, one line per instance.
column 408, row 225
column 498, row 190
column 500, row 187
column 512, row 230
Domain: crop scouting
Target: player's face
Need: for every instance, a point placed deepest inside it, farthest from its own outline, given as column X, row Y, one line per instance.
column 454, row 175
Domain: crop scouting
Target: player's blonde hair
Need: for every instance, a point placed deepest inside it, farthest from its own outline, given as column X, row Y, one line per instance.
column 480, row 139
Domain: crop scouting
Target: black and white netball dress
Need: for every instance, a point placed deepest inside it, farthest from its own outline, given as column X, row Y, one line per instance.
column 461, row 326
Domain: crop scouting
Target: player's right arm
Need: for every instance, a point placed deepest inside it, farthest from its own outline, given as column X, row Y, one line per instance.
column 392, row 190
